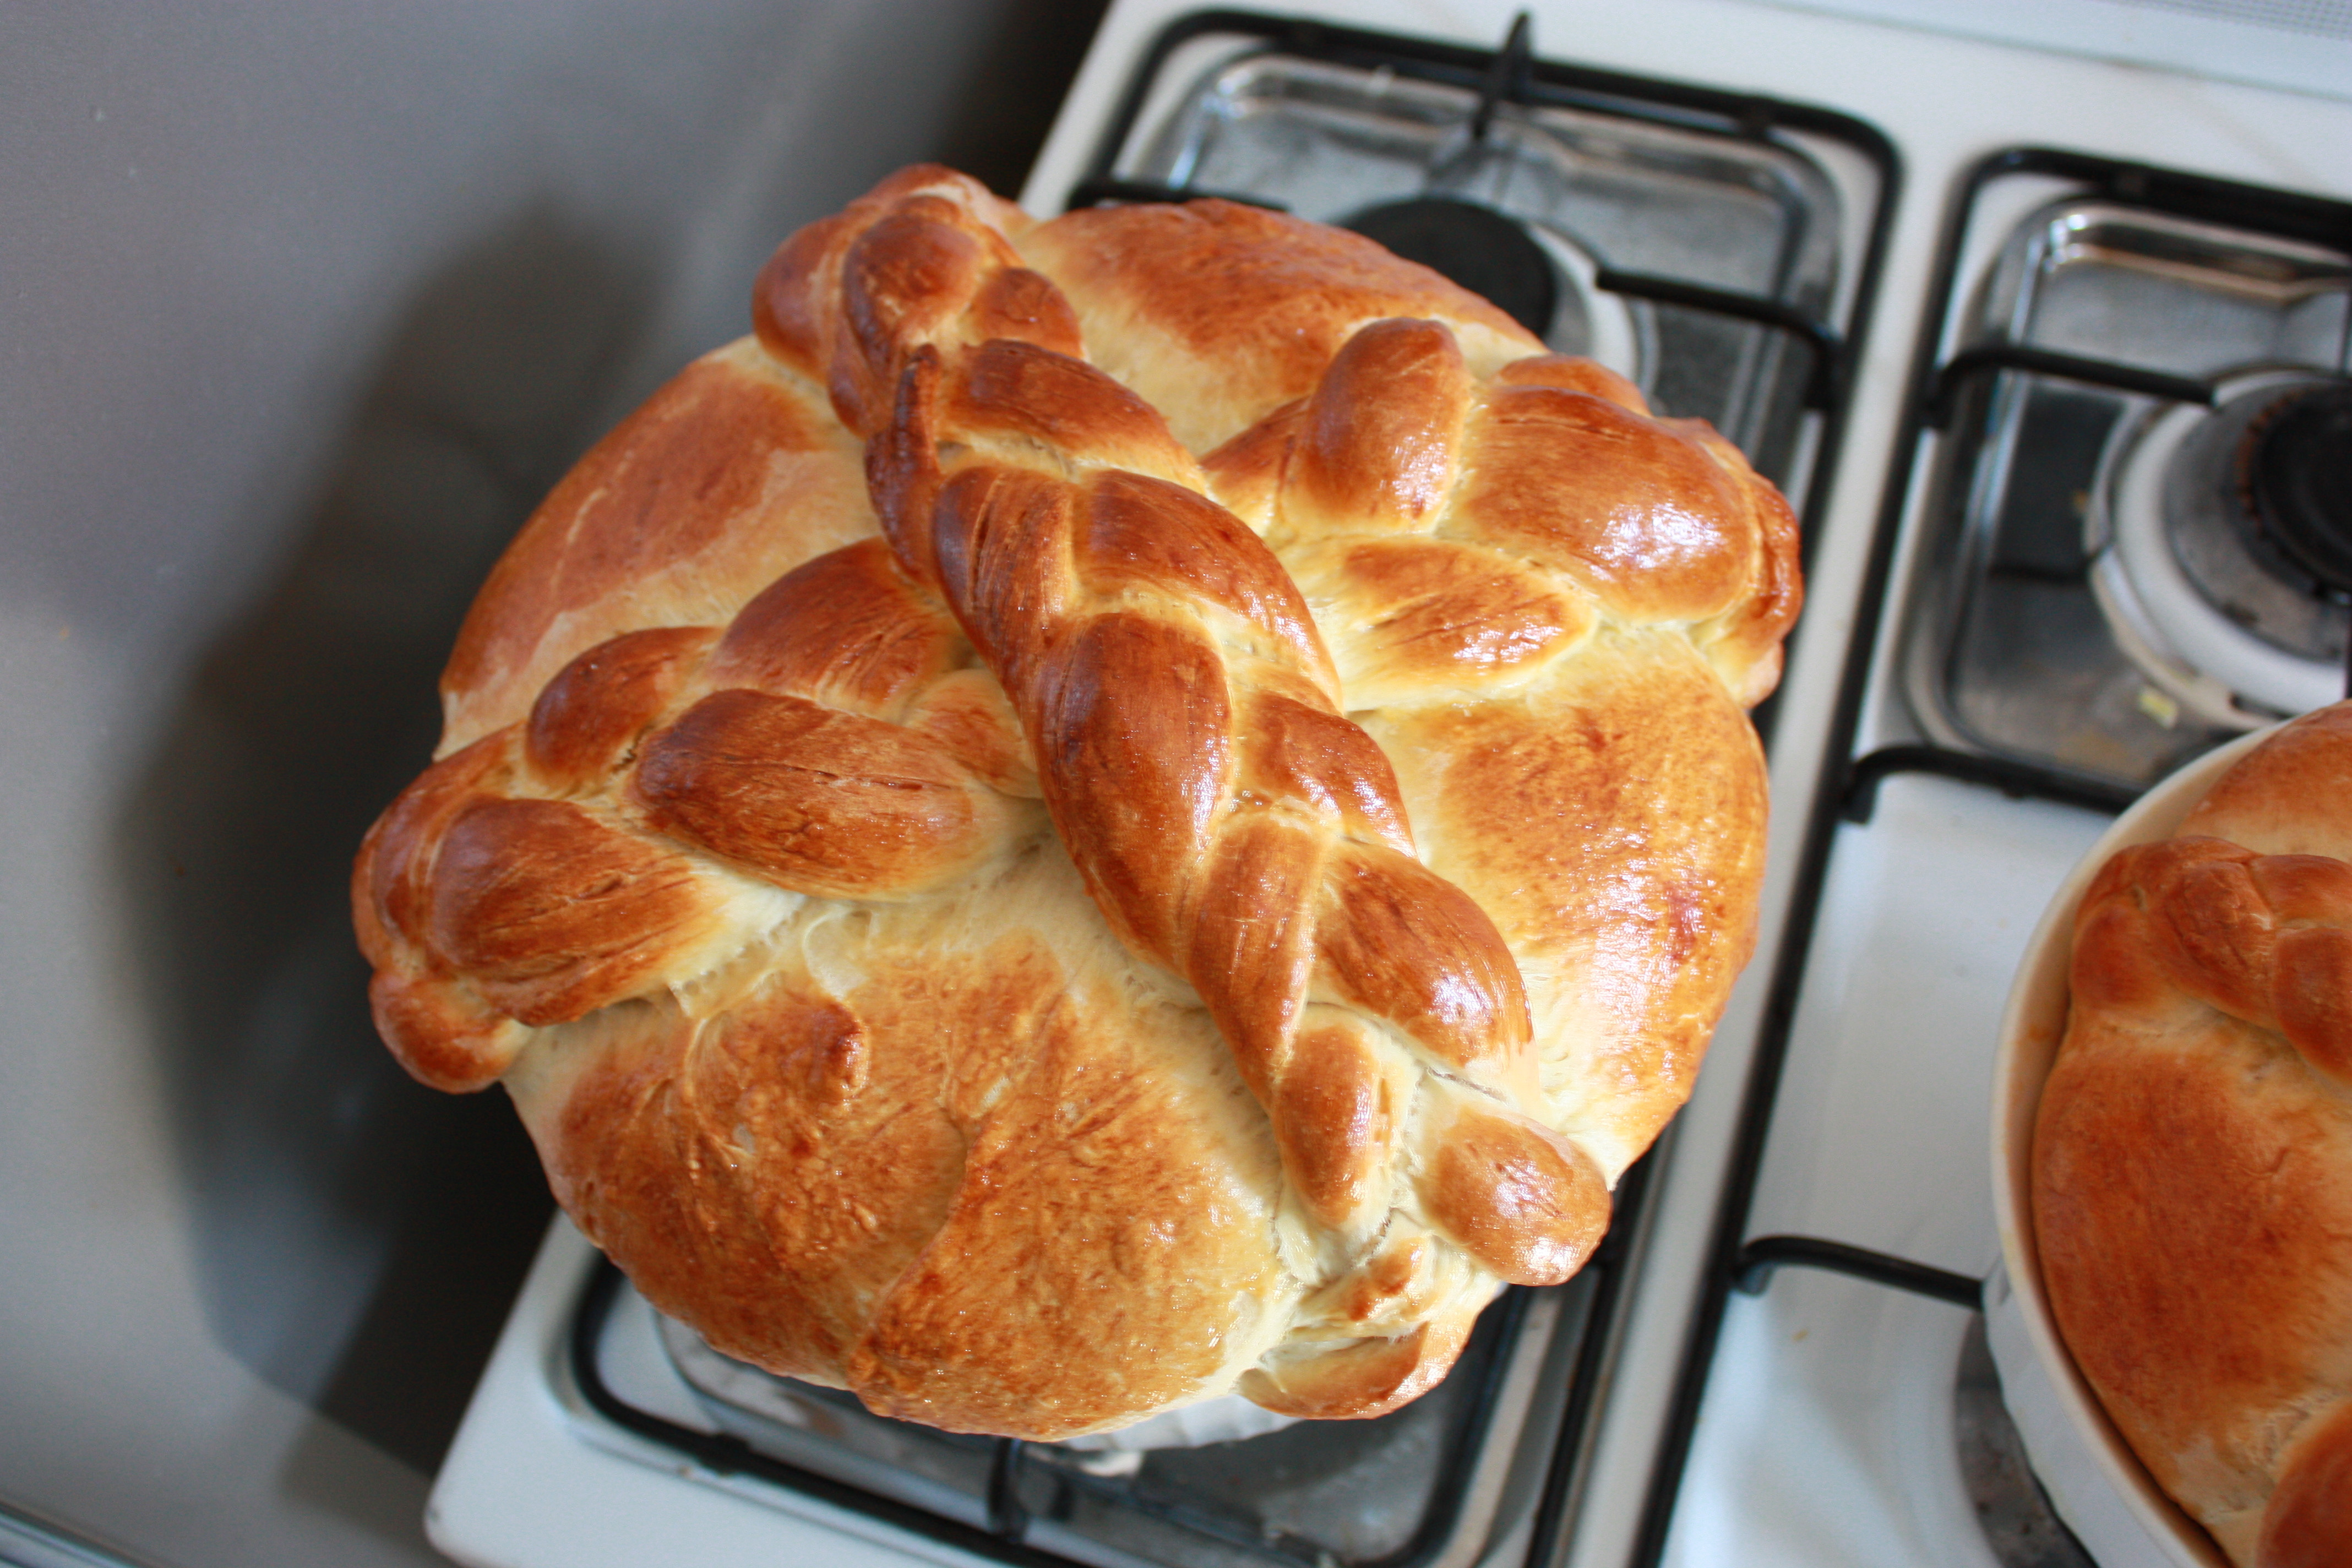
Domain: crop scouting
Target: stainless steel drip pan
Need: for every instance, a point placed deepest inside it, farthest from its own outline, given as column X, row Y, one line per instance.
column 2011, row 650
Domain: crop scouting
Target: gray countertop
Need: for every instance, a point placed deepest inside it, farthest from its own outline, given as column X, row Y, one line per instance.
column 304, row 307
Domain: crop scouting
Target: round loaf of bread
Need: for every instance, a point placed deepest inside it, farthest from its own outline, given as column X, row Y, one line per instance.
column 2192, row 1177
column 1102, row 812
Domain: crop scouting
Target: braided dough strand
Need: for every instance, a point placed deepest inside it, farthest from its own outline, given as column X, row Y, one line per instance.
column 618, row 840
column 1233, row 825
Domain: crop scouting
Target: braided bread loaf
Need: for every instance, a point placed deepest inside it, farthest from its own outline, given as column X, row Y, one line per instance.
column 1227, row 861
column 2192, row 1182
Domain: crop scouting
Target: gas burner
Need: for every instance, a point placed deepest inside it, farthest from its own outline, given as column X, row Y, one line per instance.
column 1543, row 280
column 2227, row 559
column 2295, row 484
column 1476, row 247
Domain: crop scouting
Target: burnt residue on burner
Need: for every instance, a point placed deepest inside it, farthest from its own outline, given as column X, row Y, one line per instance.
column 2254, row 506
column 2020, row 1525
column 2295, row 486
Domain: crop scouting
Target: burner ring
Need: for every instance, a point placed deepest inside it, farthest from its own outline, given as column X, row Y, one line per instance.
column 2206, row 617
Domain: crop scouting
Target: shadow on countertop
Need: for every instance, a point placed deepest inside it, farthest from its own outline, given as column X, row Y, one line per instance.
column 359, row 1238
column 359, row 1233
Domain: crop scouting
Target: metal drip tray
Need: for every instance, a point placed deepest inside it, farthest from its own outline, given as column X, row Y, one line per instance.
column 2093, row 324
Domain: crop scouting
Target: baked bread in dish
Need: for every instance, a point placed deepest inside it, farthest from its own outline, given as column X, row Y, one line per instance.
column 1102, row 812
column 2192, row 1179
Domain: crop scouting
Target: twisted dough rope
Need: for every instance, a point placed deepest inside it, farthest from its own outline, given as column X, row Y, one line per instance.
column 2263, row 937
column 827, row 743
column 1231, row 822
column 1547, row 605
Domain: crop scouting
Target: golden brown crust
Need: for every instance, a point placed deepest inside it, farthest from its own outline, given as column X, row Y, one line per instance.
column 815, row 799
column 1359, row 1378
column 727, row 477
column 1624, row 874
column 1514, row 1195
column 2192, row 1180
column 552, row 914
column 1096, row 601
column 2277, row 801
column 1080, row 911
column 1379, row 445
column 1438, row 614
column 1217, row 315
column 590, row 717
column 847, row 627
column 436, row 1026
column 925, row 252
column 849, row 1185
column 1152, row 1279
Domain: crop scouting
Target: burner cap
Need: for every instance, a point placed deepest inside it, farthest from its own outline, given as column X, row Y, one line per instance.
column 1476, row 247
column 2216, row 614
column 2295, row 481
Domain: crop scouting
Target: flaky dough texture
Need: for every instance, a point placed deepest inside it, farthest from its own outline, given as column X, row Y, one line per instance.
column 2192, row 1183
column 1102, row 812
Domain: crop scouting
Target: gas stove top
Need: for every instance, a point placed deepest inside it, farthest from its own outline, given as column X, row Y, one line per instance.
column 2131, row 529
column 1987, row 311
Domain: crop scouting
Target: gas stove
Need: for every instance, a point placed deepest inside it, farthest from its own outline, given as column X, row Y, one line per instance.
column 2050, row 349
